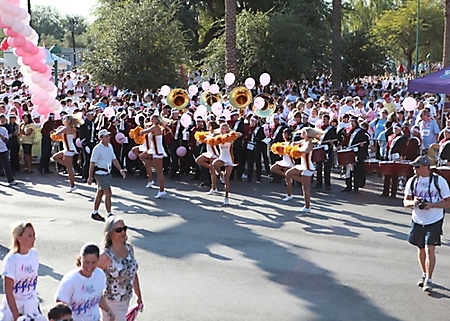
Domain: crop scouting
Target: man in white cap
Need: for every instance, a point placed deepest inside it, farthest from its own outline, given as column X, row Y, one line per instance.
column 102, row 159
column 428, row 195
column 347, row 108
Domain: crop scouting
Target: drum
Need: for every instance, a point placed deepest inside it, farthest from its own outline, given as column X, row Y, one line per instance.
column 444, row 171
column 386, row 168
column 346, row 157
column 402, row 168
column 318, row 154
column 371, row 165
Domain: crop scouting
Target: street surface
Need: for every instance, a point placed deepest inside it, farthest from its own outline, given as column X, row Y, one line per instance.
column 257, row 259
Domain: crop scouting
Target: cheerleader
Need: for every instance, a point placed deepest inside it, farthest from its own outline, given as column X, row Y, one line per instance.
column 207, row 158
column 282, row 166
column 67, row 133
column 142, row 151
column 302, row 173
column 225, row 158
column 155, row 154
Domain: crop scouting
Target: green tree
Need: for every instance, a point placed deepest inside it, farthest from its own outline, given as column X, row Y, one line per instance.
column 272, row 42
column 396, row 30
column 136, row 45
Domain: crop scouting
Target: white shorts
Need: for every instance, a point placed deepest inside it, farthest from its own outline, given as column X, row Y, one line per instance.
column 69, row 153
column 24, row 306
column 307, row 172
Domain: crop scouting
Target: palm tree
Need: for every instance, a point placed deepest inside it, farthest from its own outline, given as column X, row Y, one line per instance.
column 230, row 37
column 336, row 45
column 446, row 46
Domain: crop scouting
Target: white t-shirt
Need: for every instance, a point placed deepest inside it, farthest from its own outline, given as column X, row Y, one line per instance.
column 23, row 269
column 345, row 109
column 82, row 294
column 420, row 190
column 103, row 156
column 69, row 84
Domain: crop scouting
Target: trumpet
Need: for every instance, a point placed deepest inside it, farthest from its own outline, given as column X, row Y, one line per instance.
column 178, row 98
column 207, row 99
column 240, row 97
column 268, row 108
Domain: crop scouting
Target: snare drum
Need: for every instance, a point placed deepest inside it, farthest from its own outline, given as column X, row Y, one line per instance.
column 371, row 165
column 444, row 171
column 386, row 168
column 318, row 154
column 402, row 168
column 346, row 157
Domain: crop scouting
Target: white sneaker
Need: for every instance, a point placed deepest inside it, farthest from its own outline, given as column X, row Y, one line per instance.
column 244, row 176
column 13, row 183
column 72, row 189
column 212, row 191
column 222, row 180
column 160, row 194
column 226, row 201
column 149, row 184
column 288, row 198
column 305, row 209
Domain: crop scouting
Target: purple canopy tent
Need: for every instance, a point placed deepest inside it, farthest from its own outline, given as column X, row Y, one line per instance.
column 436, row 83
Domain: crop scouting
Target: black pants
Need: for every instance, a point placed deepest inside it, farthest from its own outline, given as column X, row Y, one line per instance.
column 14, row 156
column 324, row 172
column 4, row 161
column 251, row 158
column 357, row 176
column 261, row 153
column 174, row 159
column 46, row 153
column 87, row 160
column 239, row 159
column 390, row 181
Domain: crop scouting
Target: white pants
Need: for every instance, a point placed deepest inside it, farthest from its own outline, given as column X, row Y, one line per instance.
column 119, row 308
column 24, row 306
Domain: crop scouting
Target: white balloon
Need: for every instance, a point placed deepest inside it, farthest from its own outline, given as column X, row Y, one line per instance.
column 250, row 83
column 165, row 90
column 193, row 90
column 37, row 78
column 27, row 31
column 259, row 103
column 8, row 21
column 16, row 11
column 23, row 14
column 205, row 85
column 214, row 89
column 18, row 26
column 229, row 79
column 202, row 110
column 264, row 79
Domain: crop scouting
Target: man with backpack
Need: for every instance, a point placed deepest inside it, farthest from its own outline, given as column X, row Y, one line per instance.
column 428, row 194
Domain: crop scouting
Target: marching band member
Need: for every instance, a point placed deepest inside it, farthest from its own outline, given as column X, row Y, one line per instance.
column 282, row 166
column 226, row 157
column 355, row 172
column 444, row 149
column 328, row 139
column 414, row 144
column 276, row 132
column 237, row 125
column 206, row 159
column 88, row 139
column 65, row 157
column 156, row 151
column 396, row 148
column 256, row 150
column 302, row 173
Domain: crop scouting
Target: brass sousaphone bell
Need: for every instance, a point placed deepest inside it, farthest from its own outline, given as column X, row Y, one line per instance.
column 178, row 98
column 208, row 99
column 240, row 97
column 268, row 108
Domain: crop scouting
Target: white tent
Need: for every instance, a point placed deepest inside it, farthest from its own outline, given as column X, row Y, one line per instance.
column 2, row 60
column 50, row 59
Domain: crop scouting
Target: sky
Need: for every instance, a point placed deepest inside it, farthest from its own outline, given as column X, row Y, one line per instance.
column 75, row 7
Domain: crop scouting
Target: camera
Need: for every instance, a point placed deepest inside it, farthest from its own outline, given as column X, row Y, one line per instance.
column 422, row 204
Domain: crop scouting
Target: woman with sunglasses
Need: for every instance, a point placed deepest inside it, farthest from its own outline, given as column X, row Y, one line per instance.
column 20, row 275
column 120, row 267
column 82, row 289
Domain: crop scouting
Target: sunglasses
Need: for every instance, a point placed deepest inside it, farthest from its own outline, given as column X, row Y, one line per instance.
column 121, row 229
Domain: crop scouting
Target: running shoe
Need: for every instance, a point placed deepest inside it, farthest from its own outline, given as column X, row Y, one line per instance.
column 160, row 194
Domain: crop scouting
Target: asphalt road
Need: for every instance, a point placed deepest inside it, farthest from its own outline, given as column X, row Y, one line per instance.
column 257, row 259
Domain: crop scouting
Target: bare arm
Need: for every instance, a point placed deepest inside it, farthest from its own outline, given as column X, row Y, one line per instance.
column 8, row 284
column 409, row 202
column 91, row 173
column 105, row 307
column 137, row 289
column 443, row 204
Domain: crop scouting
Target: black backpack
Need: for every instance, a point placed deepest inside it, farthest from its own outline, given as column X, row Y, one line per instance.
column 434, row 177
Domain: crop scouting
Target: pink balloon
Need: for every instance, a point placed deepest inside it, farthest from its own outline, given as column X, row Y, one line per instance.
column 259, row 103
column 41, row 109
column 409, row 104
column 10, row 41
column 36, row 65
column 16, row 11
column 217, row 109
column 43, row 96
column 6, row 7
column 264, row 79
column 40, row 54
column 35, row 100
column 227, row 114
column 19, row 41
column 120, row 138
column 43, row 69
column 185, row 120
column 214, row 89
column 181, row 151
column 37, row 78
column 29, row 46
column 193, row 90
column 28, row 60
column 109, row 111
column 35, row 51
column 18, row 51
column 78, row 143
column 2, row 25
column 10, row 32
column 205, row 85
column 132, row 155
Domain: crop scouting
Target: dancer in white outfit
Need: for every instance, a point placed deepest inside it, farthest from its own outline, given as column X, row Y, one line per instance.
column 65, row 157
column 144, row 154
column 225, row 159
column 282, row 166
column 206, row 159
column 156, row 151
column 302, row 173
